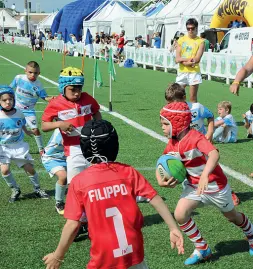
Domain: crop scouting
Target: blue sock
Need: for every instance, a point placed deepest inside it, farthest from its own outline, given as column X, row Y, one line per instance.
column 60, row 192
column 35, row 181
column 9, row 179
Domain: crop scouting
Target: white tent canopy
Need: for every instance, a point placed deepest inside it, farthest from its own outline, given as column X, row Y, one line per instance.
column 104, row 15
column 47, row 22
column 6, row 20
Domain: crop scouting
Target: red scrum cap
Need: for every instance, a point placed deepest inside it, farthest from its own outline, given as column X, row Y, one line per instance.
column 178, row 114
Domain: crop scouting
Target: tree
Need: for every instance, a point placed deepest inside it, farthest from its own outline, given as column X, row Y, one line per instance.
column 2, row 5
column 136, row 5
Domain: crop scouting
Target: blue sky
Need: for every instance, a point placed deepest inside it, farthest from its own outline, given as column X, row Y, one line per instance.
column 45, row 5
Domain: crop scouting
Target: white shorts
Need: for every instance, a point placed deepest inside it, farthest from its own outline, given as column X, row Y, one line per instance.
column 141, row 265
column 221, row 199
column 76, row 163
column 189, row 78
column 18, row 152
column 31, row 122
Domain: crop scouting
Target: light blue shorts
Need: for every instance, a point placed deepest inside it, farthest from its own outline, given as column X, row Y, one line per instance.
column 53, row 166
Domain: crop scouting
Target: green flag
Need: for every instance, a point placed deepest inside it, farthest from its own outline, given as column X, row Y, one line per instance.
column 97, row 75
column 111, row 66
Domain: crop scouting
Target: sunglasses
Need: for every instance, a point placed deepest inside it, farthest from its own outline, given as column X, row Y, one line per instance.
column 191, row 28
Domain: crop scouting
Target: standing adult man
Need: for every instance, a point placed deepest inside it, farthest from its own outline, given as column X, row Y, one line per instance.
column 188, row 54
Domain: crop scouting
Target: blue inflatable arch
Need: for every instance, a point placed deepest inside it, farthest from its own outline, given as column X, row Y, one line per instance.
column 71, row 16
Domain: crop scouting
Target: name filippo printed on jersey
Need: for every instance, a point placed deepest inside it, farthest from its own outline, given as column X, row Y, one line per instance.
column 107, row 192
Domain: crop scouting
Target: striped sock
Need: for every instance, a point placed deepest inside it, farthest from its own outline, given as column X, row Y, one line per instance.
column 247, row 228
column 191, row 230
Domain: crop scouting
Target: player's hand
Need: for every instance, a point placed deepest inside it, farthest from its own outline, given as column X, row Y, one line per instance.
column 66, row 127
column 170, row 183
column 164, row 182
column 203, row 184
column 234, row 88
column 51, row 262
column 177, row 240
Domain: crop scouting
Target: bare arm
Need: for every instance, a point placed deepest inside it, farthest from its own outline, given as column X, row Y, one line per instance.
column 244, row 72
column 210, row 128
column 97, row 116
column 176, row 237
column 213, row 158
column 70, row 229
column 218, row 123
column 48, row 98
column 179, row 59
column 199, row 54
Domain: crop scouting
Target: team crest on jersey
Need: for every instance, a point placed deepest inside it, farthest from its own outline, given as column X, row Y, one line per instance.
column 19, row 123
column 35, row 88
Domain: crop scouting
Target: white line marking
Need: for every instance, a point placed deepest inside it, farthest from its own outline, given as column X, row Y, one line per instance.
column 243, row 178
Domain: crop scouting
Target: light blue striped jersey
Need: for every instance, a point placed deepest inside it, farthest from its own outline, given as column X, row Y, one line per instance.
column 54, row 149
column 230, row 122
column 11, row 127
column 27, row 92
column 249, row 116
column 199, row 114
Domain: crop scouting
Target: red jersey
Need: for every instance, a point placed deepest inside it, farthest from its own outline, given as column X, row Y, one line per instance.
column 77, row 113
column 121, row 42
column 193, row 151
column 107, row 193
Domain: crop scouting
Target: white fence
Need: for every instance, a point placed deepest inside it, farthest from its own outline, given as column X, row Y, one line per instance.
column 212, row 64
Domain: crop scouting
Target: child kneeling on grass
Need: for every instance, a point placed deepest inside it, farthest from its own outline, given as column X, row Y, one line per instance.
column 225, row 126
column 205, row 184
column 106, row 192
column 12, row 145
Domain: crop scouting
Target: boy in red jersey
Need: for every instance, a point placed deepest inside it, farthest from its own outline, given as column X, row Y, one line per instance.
column 205, row 183
column 107, row 192
column 71, row 110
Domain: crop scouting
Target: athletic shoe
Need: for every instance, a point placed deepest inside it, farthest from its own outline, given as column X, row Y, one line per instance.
column 235, row 199
column 82, row 231
column 60, row 208
column 198, row 256
column 249, row 136
column 251, row 250
column 41, row 194
column 14, row 195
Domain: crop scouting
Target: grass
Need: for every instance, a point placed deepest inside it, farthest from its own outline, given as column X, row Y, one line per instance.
column 31, row 228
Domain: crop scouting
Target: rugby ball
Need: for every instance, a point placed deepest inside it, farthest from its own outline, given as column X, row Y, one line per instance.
column 169, row 166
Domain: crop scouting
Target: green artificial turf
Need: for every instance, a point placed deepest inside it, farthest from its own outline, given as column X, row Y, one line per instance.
column 30, row 228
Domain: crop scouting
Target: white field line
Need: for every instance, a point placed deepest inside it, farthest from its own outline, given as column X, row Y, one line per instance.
column 243, row 178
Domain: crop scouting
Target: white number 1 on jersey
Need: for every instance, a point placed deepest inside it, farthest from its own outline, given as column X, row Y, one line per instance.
column 124, row 248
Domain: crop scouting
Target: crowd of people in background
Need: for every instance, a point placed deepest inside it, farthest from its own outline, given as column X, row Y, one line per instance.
column 237, row 24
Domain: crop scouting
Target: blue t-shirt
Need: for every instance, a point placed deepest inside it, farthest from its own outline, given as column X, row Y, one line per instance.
column 11, row 127
column 199, row 114
column 27, row 92
column 157, row 42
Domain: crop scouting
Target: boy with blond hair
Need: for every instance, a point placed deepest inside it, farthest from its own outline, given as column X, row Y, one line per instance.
column 225, row 125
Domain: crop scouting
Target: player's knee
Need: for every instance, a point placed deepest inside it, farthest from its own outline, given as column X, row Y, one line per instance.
column 36, row 131
column 180, row 216
column 29, row 169
column 62, row 177
column 5, row 172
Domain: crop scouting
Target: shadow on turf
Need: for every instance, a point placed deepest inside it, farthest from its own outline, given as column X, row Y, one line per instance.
column 157, row 219
column 229, row 248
